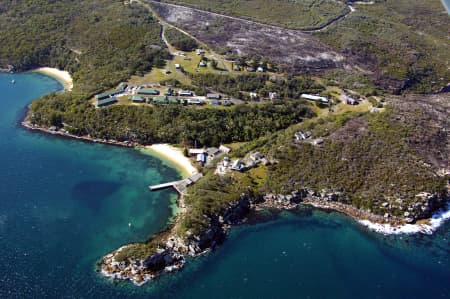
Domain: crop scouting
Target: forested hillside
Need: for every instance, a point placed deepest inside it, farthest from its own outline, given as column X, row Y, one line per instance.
column 167, row 123
column 380, row 162
column 100, row 42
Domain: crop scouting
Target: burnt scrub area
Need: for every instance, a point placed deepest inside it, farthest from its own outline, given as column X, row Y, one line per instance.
column 293, row 50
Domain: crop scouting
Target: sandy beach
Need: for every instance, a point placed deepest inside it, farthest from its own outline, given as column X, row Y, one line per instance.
column 173, row 155
column 62, row 76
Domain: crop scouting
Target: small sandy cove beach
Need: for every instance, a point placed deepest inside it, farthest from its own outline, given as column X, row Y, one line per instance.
column 173, row 155
column 62, row 76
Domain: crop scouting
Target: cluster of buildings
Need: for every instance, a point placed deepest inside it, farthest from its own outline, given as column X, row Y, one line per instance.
column 241, row 165
column 205, row 156
column 169, row 96
column 142, row 95
column 110, row 97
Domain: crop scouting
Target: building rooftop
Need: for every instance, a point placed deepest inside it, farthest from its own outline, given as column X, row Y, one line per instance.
column 105, row 102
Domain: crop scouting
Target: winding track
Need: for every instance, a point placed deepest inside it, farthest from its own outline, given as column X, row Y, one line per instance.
column 247, row 21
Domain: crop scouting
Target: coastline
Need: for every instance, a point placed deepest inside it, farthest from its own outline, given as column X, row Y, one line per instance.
column 62, row 76
column 176, row 159
column 173, row 250
column 169, row 154
column 174, row 156
column 378, row 224
column 64, row 134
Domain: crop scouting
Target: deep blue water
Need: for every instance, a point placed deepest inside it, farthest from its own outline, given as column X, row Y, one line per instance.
column 65, row 203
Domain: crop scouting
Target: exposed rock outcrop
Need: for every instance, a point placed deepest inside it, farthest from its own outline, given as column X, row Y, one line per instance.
column 171, row 253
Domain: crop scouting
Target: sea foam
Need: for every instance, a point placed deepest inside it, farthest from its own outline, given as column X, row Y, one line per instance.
column 434, row 222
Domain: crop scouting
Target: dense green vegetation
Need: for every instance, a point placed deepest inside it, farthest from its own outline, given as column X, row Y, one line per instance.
column 405, row 41
column 370, row 158
column 167, row 123
column 210, row 197
column 369, row 165
column 290, row 88
column 180, row 40
column 99, row 42
column 293, row 14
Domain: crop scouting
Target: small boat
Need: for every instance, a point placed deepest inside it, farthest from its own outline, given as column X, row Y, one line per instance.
column 129, row 224
column 13, row 81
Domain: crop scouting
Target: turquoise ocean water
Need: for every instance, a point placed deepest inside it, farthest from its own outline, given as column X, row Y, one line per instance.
column 65, row 203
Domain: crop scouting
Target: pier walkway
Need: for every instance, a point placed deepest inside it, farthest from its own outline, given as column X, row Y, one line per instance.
column 179, row 186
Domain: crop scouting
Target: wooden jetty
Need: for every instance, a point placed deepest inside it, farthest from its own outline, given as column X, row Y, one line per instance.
column 179, row 186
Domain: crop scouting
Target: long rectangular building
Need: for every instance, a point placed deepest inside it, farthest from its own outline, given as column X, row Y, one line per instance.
column 315, row 98
column 148, row 91
column 107, row 94
column 105, row 102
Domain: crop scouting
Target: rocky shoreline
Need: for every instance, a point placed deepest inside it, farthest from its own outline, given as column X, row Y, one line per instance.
column 63, row 133
column 9, row 69
column 171, row 254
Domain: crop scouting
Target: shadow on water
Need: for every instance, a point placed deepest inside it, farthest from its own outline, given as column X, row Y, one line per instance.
column 92, row 193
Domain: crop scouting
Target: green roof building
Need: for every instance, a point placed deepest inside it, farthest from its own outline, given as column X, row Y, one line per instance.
column 107, row 94
column 148, row 91
column 172, row 100
column 137, row 99
column 105, row 102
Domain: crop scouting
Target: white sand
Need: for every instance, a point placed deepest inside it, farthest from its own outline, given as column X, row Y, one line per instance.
column 62, row 76
column 174, row 155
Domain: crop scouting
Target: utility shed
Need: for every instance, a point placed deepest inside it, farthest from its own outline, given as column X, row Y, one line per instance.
column 148, row 91
column 105, row 102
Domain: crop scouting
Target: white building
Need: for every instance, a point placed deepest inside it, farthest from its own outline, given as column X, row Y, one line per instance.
column 273, row 95
column 315, row 98
column 224, row 149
